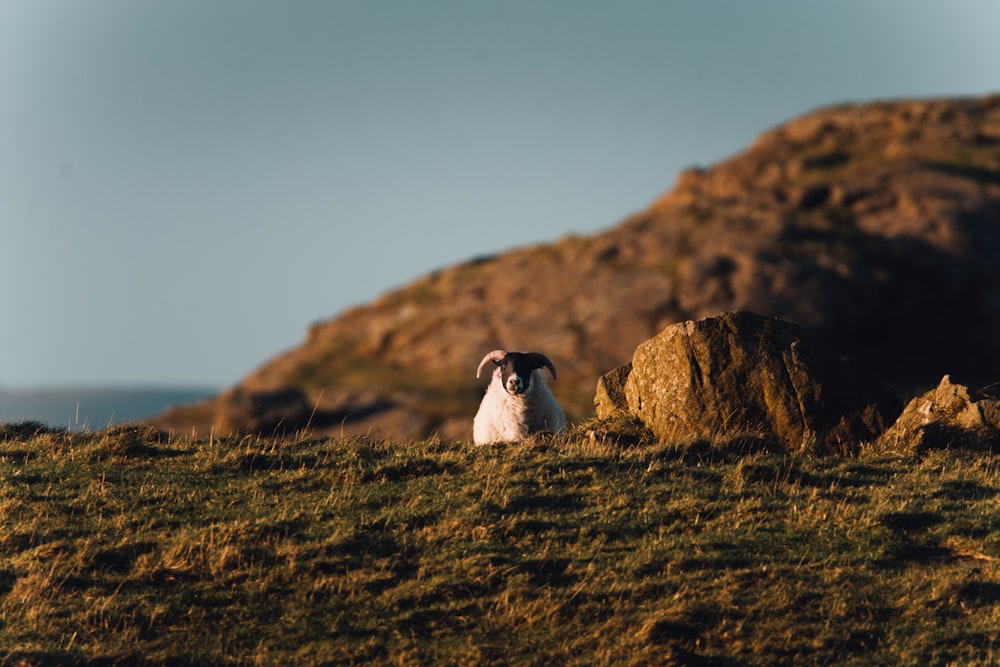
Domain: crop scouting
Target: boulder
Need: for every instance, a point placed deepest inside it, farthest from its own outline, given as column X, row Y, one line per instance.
column 739, row 374
column 610, row 401
column 946, row 416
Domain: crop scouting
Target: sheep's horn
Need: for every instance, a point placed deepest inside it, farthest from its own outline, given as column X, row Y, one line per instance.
column 539, row 360
column 494, row 356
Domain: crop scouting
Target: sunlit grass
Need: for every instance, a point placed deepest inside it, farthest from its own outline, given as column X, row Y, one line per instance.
column 126, row 547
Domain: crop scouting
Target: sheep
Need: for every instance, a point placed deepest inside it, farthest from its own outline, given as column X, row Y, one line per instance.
column 517, row 401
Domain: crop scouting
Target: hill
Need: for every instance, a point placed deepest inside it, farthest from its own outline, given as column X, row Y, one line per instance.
column 874, row 226
column 568, row 550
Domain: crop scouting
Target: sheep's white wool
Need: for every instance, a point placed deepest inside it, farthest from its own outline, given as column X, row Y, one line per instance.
column 505, row 417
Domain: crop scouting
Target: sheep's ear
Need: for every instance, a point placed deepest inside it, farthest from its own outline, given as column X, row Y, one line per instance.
column 539, row 360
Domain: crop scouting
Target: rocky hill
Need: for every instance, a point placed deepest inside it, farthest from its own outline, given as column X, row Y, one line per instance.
column 874, row 226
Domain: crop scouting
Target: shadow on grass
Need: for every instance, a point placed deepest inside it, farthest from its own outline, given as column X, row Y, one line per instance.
column 945, row 436
column 965, row 490
column 119, row 559
column 727, row 450
column 52, row 659
column 722, row 556
column 25, row 430
column 980, row 593
column 549, row 571
column 680, row 635
column 910, row 522
column 129, row 442
column 906, row 544
column 415, row 469
column 558, row 503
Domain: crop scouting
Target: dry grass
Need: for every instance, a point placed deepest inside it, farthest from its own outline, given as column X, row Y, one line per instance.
column 124, row 547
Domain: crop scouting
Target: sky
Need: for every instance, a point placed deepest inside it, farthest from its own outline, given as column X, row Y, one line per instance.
column 187, row 185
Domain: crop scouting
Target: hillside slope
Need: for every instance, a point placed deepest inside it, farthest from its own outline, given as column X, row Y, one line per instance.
column 875, row 226
column 122, row 548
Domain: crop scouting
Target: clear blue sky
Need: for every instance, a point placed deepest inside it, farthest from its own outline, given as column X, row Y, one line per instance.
column 185, row 185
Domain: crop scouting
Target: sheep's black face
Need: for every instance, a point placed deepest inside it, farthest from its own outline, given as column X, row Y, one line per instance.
column 514, row 369
column 515, row 372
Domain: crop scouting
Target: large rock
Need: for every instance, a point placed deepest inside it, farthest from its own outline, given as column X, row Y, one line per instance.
column 743, row 374
column 946, row 416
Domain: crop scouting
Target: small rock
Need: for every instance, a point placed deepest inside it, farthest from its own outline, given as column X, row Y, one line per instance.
column 610, row 399
column 943, row 417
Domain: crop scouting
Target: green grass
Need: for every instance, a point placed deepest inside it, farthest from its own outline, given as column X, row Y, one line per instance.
column 125, row 547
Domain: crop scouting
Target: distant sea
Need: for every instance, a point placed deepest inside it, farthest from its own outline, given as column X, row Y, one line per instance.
column 92, row 408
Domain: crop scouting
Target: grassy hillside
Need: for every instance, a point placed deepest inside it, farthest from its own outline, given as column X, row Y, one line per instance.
column 123, row 547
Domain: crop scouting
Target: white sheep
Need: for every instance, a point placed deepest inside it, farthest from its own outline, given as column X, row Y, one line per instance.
column 517, row 401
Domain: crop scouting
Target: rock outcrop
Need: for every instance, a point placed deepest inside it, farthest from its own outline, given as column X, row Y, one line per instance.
column 740, row 374
column 874, row 226
column 946, row 416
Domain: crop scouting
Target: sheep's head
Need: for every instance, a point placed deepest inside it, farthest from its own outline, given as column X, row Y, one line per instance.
column 516, row 368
